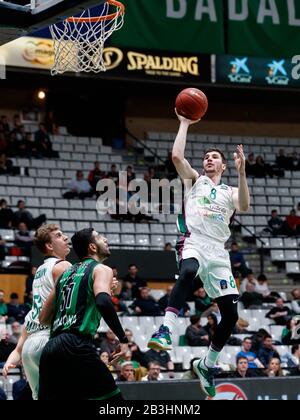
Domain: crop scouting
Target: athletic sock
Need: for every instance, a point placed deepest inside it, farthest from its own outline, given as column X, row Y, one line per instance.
column 211, row 357
column 170, row 320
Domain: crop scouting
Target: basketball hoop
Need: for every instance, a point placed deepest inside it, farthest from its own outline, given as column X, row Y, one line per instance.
column 79, row 41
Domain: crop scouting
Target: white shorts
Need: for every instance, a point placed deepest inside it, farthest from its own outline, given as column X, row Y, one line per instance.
column 214, row 264
column 31, row 354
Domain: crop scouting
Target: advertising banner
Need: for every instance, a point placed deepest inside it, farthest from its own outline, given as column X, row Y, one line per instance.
column 134, row 64
column 241, row 70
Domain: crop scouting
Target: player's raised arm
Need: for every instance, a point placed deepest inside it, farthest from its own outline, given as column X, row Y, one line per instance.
column 241, row 196
column 183, row 167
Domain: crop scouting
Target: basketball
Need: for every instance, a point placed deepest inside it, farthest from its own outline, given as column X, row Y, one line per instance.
column 191, row 103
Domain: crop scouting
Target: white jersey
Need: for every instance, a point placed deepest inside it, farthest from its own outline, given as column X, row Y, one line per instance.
column 43, row 284
column 208, row 210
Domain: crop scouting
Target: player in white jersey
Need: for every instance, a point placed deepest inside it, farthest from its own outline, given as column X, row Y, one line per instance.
column 55, row 246
column 209, row 205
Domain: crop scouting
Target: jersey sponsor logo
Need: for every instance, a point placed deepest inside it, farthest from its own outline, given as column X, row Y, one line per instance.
column 215, row 217
column 65, row 321
column 229, row 392
column 223, row 284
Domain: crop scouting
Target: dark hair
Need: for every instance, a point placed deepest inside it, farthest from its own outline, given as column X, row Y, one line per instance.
column 14, row 296
column 247, row 338
column 214, row 149
column 81, row 240
column 194, row 319
column 234, row 243
column 267, row 336
column 19, row 202
column 262, row 277
column 131, row 265
column 241, row 357
column 274, row 211
column 295, row 347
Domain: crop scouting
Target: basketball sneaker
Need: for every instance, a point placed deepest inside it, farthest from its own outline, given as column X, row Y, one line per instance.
column 206, row 376
column 161, row 339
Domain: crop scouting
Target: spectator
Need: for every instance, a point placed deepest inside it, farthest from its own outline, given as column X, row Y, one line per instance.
column 127, row 372
column 94, row 176
column 293, row 361
column 267, row 351
column 250, row 298
column 23, row 238
column 168, row 247
column 29, row 282
column 246, row 352
column 195, row 335
column 210, row 327
column 104, row 357
column 3, row 396
column 250, row 165
column 6, row 215
column 274, row 368
column 190, row 374
column 79, row 187
column 237, row 260
column 164, row 300
column 51, row 123
column 276, row 226
column 16, row 333
column 2, row 249
column 292, row 224
column 5, row 124
column 22, row 215
column 241, row 327
column 130, row 174
column 146, row 305
column 113, row 173
column 137, row 354
column 261, row 286
column 132, row 283
column 43, row 143
column 202, row 301
column 3, row 142
column 262, row 169
column 109, row 343
column 282, row 161
column 280, row 314
column 3, row 306
column 288, row 333
column 153, row 372
column 5, row 347
column 295, row 162
column 242, row 368
column 15, row 310
column 296, row 301
column 6, row 166
column 248, row 279
column 161, row 357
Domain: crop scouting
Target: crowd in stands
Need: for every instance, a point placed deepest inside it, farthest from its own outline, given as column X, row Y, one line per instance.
column 258, row 168
column 289, row 226
column 15, row 141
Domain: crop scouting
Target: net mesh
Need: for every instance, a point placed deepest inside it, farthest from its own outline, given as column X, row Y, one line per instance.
column 79, row 44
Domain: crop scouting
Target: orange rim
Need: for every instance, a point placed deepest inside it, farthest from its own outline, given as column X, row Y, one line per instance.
column 99, row 18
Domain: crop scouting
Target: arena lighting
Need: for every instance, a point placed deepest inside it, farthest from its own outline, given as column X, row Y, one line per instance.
column 41, row 94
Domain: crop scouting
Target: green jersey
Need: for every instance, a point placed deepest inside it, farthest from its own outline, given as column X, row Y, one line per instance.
column 75, row 308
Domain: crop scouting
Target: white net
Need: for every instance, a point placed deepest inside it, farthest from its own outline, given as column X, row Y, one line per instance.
column 79, row 42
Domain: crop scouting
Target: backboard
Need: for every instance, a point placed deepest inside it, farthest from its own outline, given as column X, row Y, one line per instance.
column 22, row 17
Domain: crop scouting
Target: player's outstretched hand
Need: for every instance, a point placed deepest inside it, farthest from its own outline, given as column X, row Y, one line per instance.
column 6, row 368
column 118, row 354
column 181, row 119
column 114, row 286
column 239, row 159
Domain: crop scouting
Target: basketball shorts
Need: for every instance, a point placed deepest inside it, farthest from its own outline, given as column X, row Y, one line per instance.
column 70, row 369
column 214, row 264
column 31, row 354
